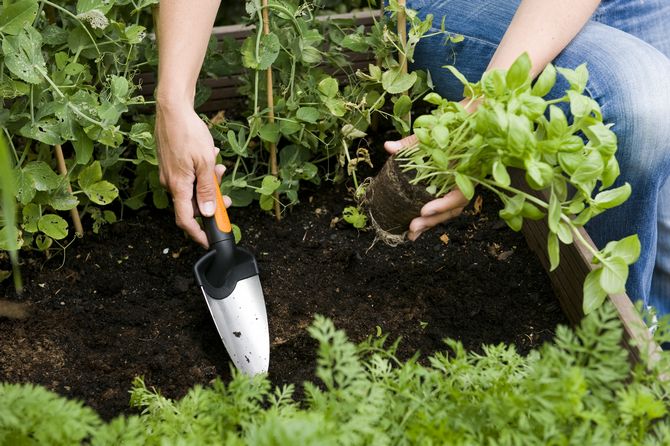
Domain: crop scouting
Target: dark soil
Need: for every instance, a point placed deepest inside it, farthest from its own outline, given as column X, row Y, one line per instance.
column 124, row 303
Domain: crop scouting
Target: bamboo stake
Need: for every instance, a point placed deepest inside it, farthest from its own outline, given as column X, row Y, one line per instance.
column 74, row 212
column 271, row 110
column 402, row 33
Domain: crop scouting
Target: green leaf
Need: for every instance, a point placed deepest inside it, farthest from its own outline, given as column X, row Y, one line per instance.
column 120, row 88
column 465, row 185
column 17, row 16
column 53, row 225
column 10, row 238
column 494, row 83
column 580, row 105
column 270, row 132
column 135, row 34
column 308, row 114
column 88, row 5
column 23, row 55
column 627, row 248
column 266, row 202
column 500, row 174
column 43, row 242
column 395, row 81
column 545, row 81
column 402, row 106
column 613, row 197
column 62, row 200
column 90, row 174
column 594, row 295
column 25, row 186
column 538, row 174
column 588, row 170
column 43, row 177
column 531, row 211
column 31, row 215
column 553, row 250
column 518, row 74
column 267, row 52
column 614, row 275
column 47, row 130
column 441, row 136
column 269, row 185
column 554, row 214
column 577, row 78
column 287, row 127
column 329, row 87
column 101, row 192
column 564, row 232
column 336, row 106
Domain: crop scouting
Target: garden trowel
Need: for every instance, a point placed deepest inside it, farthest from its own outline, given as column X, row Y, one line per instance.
column 228, row 277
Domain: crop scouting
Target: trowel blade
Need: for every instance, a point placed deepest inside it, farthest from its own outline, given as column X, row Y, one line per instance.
column 242, row 323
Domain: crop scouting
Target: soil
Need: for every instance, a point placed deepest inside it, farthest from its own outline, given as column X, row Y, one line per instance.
column 124, row 302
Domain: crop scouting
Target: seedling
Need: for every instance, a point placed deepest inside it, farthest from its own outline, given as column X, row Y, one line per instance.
column 570, row 159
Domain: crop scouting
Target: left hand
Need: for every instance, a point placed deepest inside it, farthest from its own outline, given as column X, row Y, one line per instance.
column 436, row 211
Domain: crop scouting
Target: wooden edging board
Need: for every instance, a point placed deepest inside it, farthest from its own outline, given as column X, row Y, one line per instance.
column 575, row 264
column 568, row 278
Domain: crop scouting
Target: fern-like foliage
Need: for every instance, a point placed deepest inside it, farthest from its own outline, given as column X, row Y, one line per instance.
column 579, row 390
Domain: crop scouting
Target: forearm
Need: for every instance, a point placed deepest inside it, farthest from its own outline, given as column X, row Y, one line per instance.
column 184, row 30
column 542, row 28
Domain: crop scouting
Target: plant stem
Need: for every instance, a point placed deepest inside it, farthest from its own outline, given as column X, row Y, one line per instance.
column 271, row 112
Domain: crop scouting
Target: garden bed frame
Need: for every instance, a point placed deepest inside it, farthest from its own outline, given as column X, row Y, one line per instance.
column 575, row 264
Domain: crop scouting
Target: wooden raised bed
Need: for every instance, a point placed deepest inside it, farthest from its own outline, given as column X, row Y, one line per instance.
column 575, row 264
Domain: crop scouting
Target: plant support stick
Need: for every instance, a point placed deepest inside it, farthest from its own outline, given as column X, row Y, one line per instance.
column 76, row 219
column 402, row 58
column 271, row 111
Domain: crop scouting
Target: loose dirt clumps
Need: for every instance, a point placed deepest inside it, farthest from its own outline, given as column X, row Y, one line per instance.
column 124, row 302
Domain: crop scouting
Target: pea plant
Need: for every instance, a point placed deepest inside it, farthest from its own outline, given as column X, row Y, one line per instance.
column 515, row 127
column 67, row 78
column 322, row 106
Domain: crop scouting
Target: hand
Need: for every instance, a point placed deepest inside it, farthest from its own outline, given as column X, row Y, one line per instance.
column 436, row 211
column 186, row 156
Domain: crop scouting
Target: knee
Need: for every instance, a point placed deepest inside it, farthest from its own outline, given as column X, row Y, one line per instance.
column 631, row 83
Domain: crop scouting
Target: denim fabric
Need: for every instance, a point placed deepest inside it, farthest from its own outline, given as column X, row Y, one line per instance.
column 626, row 46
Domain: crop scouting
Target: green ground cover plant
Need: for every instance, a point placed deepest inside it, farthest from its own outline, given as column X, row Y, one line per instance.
column 579, row 390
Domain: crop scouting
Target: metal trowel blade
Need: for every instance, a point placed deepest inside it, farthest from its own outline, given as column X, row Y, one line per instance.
column 242, row 323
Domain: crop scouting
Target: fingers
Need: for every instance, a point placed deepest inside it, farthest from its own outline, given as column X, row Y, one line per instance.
column 394, row 147
column 183, row 210
column 205, row 185
column 437, row 211
column 421, row 224
column 454, row 199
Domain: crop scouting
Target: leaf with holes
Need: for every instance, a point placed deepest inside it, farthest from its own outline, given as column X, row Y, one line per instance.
column 23, row 55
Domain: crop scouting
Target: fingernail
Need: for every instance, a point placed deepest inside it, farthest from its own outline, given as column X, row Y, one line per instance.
column 208, row 208
column 227, row 201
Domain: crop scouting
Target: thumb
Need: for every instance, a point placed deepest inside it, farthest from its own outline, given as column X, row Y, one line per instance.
column 395, row 146
column 206, row 188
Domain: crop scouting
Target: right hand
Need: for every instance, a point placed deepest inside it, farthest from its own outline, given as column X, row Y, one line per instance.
column 436, row 211
column 186, row 158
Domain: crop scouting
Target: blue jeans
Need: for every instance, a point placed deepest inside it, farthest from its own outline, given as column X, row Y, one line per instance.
column 626, row 46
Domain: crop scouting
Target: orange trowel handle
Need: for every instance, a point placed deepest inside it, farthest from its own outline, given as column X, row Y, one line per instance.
column 221, row 215
column 218, row 227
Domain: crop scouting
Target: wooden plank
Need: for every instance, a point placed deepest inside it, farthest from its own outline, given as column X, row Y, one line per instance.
column 568, row 278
